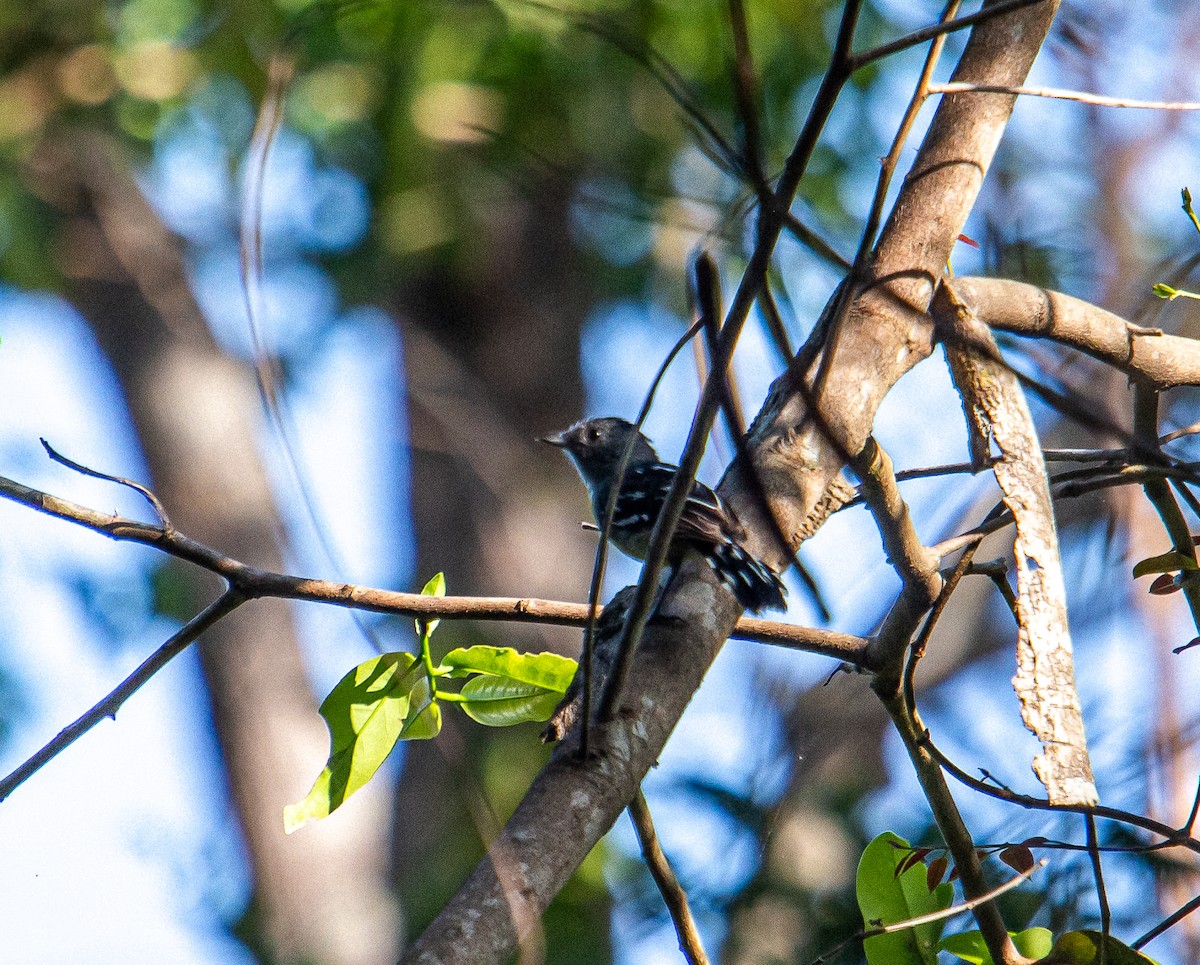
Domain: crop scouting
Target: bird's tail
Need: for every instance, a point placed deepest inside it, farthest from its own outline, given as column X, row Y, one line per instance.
column 756, row 586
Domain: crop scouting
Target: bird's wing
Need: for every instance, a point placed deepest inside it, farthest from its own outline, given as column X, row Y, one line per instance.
column 645, row 489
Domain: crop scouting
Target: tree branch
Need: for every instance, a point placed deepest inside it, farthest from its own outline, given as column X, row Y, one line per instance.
column 1012, row 306
column 668, row 885
column 254, row 583
column 218, row 609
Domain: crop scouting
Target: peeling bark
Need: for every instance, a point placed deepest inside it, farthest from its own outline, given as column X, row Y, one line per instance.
column 1045, row 679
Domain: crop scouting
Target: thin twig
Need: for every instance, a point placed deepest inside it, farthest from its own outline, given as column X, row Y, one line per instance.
column 917, row 650
column 914, row 563
column 968, row 905
column 918, row 37
column 601, row 560
column 746, row 94
column 1057, row 93
column 159, row 510
column 264, row 583
column 1171, row 920
column 770, row 226
column 1191, row 821
column 888, row 167
column 225, row 604
column 1093, row 849
column 1171, row 836
column 1158, row 491
column 669, row 887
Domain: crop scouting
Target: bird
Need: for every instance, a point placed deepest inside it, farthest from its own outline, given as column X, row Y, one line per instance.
column 707, row 528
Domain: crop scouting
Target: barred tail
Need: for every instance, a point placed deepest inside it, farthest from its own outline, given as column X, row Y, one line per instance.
column 755, row 584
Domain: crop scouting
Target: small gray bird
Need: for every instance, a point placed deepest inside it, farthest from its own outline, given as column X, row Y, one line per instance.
column 596, row 446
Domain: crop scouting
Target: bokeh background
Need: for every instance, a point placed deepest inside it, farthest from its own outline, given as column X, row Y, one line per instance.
column 476, row 220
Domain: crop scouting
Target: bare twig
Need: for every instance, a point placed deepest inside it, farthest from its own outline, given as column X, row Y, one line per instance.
column 770, row 225
column 1158, row 491
column 915, row 564
column 950, row 823
column 1171, row 836
column 888, row 167
column 246, row 583
column 1093, row 849
column 918, row 37
column 746, row 93
column 1057, row 93
column 669, row 887
column 1171, row 920
column 601, row 559
column 264, row 583
column 152, row 499
column 225, row 604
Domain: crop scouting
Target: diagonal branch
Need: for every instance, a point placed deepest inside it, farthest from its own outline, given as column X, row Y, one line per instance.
column 218, row 609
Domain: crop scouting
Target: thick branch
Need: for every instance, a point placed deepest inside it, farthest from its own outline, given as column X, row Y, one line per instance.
column 574, row 802
column 1013, row 306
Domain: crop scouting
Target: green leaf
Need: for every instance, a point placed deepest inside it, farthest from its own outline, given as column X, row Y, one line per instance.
column 884, row 897
column 1170, row 562
column 1164, row 291
column 1033, row 942
column 967, row 945
column 366, row 713
column 424, row 717
column 1083, row 948
column 970, row 946
column 435, row 587
column 549, row 671
column 1187, row 207
column 502, row 701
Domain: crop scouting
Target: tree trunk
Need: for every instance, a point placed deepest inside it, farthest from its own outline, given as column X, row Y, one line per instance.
column 321, row 895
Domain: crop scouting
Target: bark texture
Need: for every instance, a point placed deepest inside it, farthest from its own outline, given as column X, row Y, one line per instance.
column 1045, row 680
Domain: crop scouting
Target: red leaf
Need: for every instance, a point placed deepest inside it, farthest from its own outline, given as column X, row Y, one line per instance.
column 910, row 859
column 1019, row 858
column 936, row 871
column 1164, row 584
column 968, row 241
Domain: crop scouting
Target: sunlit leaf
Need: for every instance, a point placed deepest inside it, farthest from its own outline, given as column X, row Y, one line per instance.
column 1083, row 948
column 435, row 587
column 970, row 946
column 549, row 671
column 424, row 718
column 502, row 701
column 366, row 713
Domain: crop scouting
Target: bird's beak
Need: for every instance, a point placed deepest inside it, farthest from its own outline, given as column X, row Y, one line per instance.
column 555, row 439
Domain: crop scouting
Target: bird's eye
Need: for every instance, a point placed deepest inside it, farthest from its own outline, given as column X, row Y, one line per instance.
column 592, row 434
